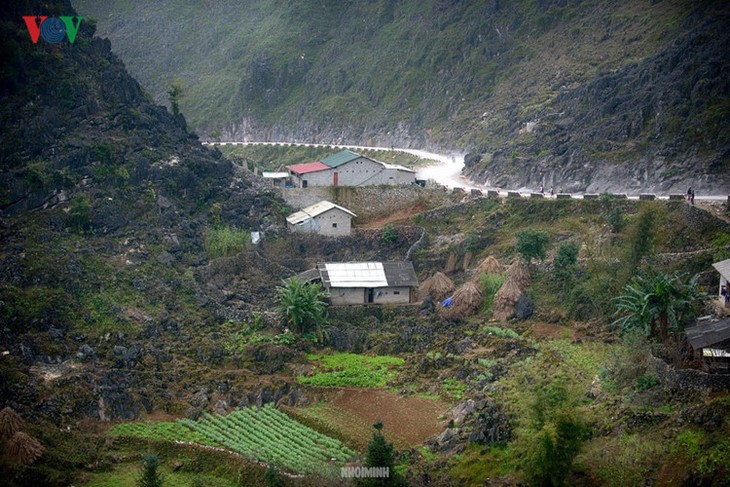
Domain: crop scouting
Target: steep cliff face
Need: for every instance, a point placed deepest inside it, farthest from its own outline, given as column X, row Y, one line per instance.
column 656, row 125
column 105, row 203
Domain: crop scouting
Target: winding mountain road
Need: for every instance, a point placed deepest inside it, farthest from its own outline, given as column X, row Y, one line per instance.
column 446, row 170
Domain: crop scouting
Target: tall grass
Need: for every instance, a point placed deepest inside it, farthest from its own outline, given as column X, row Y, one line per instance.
column 225, row 241
column 490, row 284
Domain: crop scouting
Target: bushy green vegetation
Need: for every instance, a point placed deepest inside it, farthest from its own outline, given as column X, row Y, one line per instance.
column 348, row 369
column 223, row 241
column 500, row 332
column 659, row 304
column 532, row 245
column 302, row 305
column 160, row 430
column 490, row 284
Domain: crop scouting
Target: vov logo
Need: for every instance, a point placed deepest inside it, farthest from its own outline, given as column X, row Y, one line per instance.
column 52, row 30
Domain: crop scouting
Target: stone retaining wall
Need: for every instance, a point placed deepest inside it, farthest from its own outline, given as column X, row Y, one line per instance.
column 688, row 379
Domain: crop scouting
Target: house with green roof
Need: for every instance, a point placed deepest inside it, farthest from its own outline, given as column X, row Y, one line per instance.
column 348, row 168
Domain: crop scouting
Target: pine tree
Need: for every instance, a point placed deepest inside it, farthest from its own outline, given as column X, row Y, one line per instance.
column 149, row 476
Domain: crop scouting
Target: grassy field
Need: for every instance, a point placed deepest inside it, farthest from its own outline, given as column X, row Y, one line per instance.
column 349, row 369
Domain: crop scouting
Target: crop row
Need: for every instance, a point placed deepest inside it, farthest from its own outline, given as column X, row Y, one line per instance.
column 269, row 435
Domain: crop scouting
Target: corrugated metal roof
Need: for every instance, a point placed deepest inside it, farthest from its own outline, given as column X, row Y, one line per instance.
column 723, row 267
column 368, row 274
column 706, row 334
column 308, row 167
column 340, row 158
column 397, row 167
column 353, row 274
column 309, row 275
column 315, row 210
column 400, row 274
column 274, row 175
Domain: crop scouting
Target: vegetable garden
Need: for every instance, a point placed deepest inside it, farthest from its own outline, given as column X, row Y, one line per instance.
column 262, row 434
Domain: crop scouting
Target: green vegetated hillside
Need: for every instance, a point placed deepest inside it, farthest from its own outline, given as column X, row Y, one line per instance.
column 138, row 318
column 584, row 95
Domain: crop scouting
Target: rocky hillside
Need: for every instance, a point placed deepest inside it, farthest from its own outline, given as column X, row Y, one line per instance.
column 582, row 95
column 109, row 207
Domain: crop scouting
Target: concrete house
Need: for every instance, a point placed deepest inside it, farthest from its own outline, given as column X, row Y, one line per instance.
column 324, row 218
column 309, row 174
column 349, row 168
column 723, row 267
column 366, row 282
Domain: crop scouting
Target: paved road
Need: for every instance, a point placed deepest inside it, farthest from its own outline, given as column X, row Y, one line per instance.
column 446, row 169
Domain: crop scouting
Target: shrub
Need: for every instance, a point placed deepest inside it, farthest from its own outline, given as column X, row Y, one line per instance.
column 616, row 220
column 550, row 438
column 225, row 241
column 500, row 332
column 79, row 215
column 646, row 382
column 390, row 235
column 532, row 244
column 565, row 263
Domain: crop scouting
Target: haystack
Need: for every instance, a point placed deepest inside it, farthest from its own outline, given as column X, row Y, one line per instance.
column 503, row 307
column 24, row 449
column 520, row 274
column 10, row 422
column 438, row 287
column 490, row 265
column 467, row 300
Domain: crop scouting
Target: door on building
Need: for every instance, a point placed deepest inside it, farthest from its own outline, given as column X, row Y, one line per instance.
column 304, row 183
column 335, row 179
column 371, row 295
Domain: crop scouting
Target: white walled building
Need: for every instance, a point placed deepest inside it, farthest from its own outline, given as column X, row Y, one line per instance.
column 348, row 168
column 323, row 218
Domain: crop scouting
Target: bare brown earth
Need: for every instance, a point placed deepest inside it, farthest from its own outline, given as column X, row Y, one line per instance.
column 415, row 419
column 397, row 216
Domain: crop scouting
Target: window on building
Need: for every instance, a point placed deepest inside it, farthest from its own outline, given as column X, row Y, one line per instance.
column 396, row 292
column 334, row 225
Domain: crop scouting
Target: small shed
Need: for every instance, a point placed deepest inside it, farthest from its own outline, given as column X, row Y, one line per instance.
column 367, row 282
column 277, row 179
column 324, row 218
column 723, row 267
column 710, row 340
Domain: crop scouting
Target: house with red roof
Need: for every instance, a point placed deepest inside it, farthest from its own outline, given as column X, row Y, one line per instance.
column 349, row 168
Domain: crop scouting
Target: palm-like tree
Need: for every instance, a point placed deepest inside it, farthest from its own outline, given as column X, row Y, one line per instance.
column 302, row 304
column 659, row 303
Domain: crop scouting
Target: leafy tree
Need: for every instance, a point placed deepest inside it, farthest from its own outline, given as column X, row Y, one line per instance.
column 551, row 436
column 302, row 304
column 149, row 476
column 532, row 244
column 659, row 303
column 565, row 263
column 173, row 95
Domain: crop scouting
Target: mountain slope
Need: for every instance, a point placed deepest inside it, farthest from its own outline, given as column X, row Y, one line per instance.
column 448, row 74
column 108, row 207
